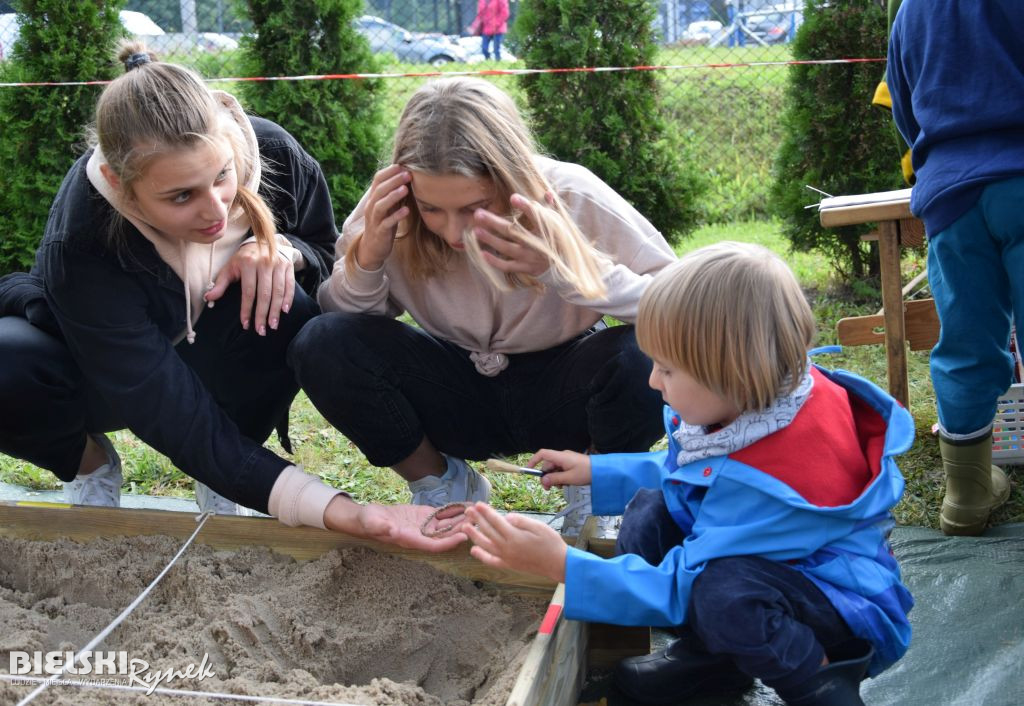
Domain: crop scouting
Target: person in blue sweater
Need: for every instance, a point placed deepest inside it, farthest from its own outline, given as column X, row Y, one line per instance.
column 760, row 534
column 956, row 77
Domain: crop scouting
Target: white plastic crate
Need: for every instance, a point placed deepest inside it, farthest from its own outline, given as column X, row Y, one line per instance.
column 1008, row 427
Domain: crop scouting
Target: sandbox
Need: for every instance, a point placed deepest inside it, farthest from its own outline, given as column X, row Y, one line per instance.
column 271, row 611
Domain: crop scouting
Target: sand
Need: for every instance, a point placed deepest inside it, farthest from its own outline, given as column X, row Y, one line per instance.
column 353, row 626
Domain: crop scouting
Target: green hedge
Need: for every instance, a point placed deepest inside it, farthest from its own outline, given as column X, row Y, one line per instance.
column 610, row 123
column 43, row 126
column 337, row 121
column 835, row 140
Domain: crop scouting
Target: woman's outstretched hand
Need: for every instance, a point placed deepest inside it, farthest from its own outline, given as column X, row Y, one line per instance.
column 268, row 285
column 391, row 524
column 515, row 542
column 384, row 210
column 503, row 249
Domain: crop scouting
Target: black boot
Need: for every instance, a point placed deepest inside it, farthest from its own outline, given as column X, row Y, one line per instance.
column 838, row 682
column 676, row 673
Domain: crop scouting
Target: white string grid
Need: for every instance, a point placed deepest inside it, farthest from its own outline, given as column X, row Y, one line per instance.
column 46, row 682
column 163, row 691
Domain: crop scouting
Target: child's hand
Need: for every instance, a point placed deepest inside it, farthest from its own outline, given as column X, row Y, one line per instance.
column 515, row 542
column 562, row 467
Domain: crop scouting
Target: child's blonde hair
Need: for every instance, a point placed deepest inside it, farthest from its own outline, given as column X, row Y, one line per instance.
column 733, row 316
column 468, row 127
column 154, row 108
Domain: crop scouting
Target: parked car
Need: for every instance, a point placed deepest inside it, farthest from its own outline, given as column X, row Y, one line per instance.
column 135, row 23
column 178, row 42
column 139, row 23
column 775, row 27
column 474, row 49
column 8, row 33
column 700, row 32
column 414, row 47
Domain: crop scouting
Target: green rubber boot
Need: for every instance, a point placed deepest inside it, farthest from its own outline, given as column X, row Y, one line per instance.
column 974, row 487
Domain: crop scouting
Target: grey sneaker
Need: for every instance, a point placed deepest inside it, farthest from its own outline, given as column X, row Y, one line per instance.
column 209, row 501
column 460, row 483
column 578, row 508
column 102, row 487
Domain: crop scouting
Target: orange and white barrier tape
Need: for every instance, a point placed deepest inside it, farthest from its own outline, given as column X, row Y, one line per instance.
column 482, row 72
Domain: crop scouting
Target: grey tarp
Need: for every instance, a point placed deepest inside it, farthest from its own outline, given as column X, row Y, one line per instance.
column 967, row 647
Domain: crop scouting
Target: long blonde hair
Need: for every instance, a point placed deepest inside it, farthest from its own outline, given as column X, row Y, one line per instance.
column 156, row 107
column 733, row 316
column 468, row 127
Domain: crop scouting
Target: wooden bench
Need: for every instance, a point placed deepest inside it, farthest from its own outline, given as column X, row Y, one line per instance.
column 899, row 322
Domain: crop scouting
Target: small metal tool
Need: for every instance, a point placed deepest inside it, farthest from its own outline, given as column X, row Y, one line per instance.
column 494, row 464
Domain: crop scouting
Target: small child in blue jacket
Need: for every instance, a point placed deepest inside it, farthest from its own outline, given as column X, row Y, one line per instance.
column 760, row 535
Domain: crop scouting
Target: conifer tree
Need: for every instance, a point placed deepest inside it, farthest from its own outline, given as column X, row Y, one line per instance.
column 337, row 121
column 610, row 122
column 43, row 126
column 835, row 140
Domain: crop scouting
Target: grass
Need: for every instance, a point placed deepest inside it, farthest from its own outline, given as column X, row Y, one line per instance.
column 323, row 450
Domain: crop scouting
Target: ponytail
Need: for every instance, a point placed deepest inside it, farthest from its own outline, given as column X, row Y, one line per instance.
column 261, row 220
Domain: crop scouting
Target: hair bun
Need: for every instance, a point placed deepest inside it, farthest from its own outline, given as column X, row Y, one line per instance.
column 136, row 60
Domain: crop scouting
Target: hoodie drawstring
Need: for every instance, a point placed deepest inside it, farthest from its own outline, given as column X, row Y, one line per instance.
column 190, row 334
column 209, row 273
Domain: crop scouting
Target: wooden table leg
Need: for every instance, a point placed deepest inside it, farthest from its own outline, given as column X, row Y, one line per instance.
column 892, row 302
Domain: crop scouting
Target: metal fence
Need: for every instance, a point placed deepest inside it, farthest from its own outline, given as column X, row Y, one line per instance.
column 722, row 90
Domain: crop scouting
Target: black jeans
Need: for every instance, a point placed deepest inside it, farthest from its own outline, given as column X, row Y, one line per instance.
column 387, row 385
column 47, row 406
column 772, row 620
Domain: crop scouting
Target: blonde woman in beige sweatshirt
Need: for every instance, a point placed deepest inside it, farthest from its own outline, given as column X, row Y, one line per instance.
column 507, row 261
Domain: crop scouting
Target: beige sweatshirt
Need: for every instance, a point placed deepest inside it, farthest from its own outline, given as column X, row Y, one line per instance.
column 463, row 307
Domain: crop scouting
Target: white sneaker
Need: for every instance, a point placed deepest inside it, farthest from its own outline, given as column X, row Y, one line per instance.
column 460, row 483
column 578, row 508
column 102, row 487
column 209, row 501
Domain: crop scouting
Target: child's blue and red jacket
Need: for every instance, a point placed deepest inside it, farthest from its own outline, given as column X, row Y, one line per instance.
column 729, row 508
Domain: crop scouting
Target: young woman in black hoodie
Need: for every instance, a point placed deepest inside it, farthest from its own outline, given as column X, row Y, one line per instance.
column 183, row 203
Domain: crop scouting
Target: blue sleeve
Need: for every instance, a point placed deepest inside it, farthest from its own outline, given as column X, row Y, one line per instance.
column 627, row 590
column 615, row 478
column 899, row 88
column 734, row 519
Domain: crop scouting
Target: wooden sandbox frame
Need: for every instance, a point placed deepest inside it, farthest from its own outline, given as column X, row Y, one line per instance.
column 558, row 658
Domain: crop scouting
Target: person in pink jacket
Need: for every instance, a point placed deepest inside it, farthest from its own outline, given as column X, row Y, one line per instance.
column 491, row 23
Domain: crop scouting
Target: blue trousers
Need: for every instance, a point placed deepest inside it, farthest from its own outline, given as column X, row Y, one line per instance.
column 771, row 619
column 976, row 272
column 386, row 385
column 485, row 40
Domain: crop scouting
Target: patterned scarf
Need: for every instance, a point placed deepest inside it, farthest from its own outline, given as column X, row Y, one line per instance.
column 697, row 443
